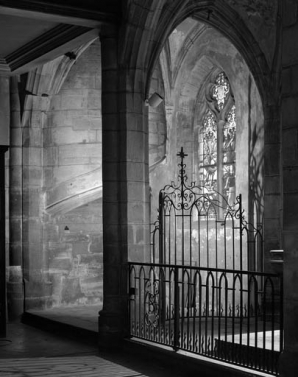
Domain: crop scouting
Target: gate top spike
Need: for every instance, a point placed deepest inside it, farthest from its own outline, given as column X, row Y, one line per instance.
column 182, row 154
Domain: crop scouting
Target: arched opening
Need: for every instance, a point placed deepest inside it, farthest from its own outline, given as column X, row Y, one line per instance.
column 213, row 109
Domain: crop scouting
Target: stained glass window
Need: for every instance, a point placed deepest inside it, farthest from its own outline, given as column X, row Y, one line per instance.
column 229, row 156
column 217, row 141
column 220, row 90
column 209, row 151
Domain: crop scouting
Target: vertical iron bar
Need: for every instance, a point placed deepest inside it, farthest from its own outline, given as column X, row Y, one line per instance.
column 216, row 261
column 161, row 219
column 190, row 238
column 169, row 239
column 219, row 314
column 200, row 315
column 233, row 319
column 272, row 325
column 162, row 306
column 194, row 311
column 140, row 303
column 248, row 322
column 241, row 230
column 199, row 240
column 225, row 244
column 281, row 309
column 256, row 323
column 130, row 304
column 212, row 315
column 181, row 317
column 241, row 315
column 264, row 325
column 176, row 310
column 175, row 238
column 207, row 312
column 188, row 308
column 226, row 316
column 207, row 241
column 233, row 240
column 171, row 304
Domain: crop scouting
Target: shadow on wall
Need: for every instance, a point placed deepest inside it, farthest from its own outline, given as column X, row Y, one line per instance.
column 256, row 165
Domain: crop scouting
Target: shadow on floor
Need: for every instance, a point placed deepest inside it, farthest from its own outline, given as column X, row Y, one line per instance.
column 64, row 343
column 28, row 351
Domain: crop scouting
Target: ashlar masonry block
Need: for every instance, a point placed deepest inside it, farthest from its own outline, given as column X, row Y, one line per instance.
column 135, row 146
column 290, row 49
column 290, row 112
column 290, row 154
column 272, row 206
column 291, row 211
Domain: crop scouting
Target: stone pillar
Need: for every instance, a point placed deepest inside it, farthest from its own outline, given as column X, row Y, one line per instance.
column 289, row 358
column 4, row 124
column 125, row 189
column 15, row 299
column 112, row 316
column 3, row 149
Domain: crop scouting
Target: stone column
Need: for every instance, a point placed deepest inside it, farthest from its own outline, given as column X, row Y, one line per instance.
column 125, row 189
column 289, row 359
column 112, row 316
column 15, row 284
column 4, row 121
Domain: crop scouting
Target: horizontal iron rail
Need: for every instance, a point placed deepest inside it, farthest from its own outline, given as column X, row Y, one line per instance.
column 208, row 269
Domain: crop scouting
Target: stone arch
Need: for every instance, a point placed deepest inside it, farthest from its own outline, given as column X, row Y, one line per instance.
column 226, row 19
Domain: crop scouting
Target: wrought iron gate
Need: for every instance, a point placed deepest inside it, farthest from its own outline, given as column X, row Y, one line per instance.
column 204, row 291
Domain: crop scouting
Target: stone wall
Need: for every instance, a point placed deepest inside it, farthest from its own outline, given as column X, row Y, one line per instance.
column 157, row 122
column 72, row 183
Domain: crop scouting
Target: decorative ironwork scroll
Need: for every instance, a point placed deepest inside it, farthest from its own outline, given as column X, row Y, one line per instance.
column 152, row 303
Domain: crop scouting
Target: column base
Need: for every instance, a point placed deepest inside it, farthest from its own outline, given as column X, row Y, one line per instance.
column 15, row 293
column 288, row 363
column 111, row 331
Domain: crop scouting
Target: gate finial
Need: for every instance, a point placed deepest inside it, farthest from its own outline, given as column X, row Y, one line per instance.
column 182, row 175
column 181, row 154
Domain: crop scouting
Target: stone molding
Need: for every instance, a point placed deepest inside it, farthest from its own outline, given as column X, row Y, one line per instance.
column 71, row 194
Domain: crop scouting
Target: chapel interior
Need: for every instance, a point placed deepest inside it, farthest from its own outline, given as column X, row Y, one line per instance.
column 148, row 158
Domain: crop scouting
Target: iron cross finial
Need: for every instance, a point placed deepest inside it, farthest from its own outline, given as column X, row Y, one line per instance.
column 182, row 154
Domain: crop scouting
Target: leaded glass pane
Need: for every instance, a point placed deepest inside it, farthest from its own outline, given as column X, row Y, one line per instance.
column 229, row 156
column 209, row 151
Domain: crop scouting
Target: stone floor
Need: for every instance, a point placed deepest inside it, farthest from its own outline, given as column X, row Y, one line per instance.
column 85, row 317
column 43, row 349
column 27, row 351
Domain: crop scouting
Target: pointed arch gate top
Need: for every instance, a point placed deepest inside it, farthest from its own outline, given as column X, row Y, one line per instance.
column 202, row 228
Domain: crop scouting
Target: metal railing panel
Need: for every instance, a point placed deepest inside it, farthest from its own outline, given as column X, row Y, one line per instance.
column 231, row 315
